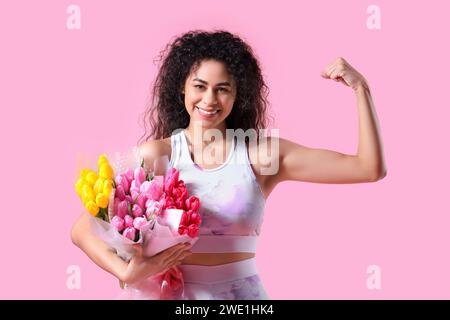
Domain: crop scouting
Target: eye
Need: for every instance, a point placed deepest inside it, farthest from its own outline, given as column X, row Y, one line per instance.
column 198, row 86
column 223, row 89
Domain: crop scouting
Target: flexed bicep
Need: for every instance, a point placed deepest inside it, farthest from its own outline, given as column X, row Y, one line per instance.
column 301, row 163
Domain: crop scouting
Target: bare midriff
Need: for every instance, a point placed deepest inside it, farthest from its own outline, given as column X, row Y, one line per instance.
column 212, row 259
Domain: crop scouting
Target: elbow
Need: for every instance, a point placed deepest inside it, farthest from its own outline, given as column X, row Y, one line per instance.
column 378, row 175
column 75, row 235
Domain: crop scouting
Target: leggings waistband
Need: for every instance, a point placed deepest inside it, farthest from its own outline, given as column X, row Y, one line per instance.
column 219, row 273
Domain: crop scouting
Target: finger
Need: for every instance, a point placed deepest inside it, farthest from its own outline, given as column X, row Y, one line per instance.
column 323, row 74
column 328, row 72
column 170, row 251
column 174, row 264
column 337, row 73
column 168, row 266
column 179, row 257
column 177, row 254
column 138, row 249
column 342, row 81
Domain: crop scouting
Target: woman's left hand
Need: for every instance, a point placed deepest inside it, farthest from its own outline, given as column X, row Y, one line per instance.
column 341, row 71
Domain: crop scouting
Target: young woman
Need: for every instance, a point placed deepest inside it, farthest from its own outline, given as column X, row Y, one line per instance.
column 210, row 84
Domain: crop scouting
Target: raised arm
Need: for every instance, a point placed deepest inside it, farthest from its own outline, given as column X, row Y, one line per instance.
column 302, row 163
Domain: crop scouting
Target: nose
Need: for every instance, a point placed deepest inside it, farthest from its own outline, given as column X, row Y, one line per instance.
column 209, row 99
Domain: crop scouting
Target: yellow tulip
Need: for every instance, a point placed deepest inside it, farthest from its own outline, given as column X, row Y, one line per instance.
column 84, row 172
column 107, row 184
column 101, row 161
column 87, row 194
column 102, row 158
column 101, row 200
column 107, row 191
column 79, row 185
column 105, row 171
column 91, row 178
column 98, row 186
column 92, row 208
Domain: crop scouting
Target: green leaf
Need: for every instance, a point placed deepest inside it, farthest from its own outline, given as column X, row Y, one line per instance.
column 103, row 214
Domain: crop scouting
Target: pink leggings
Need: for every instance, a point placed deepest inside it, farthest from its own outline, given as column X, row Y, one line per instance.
column 231, row 281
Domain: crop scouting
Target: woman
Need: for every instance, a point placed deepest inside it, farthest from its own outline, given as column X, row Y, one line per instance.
column 210, row 84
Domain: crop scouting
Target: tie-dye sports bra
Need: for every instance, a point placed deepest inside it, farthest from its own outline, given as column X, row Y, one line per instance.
column 232, row 203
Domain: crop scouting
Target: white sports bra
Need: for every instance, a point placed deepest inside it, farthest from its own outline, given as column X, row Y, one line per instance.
column 232, row 203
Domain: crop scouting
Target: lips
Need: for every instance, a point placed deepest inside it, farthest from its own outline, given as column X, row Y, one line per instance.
column 207, row 112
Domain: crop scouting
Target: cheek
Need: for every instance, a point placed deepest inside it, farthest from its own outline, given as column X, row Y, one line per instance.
column 190, row 99
column 228, row 102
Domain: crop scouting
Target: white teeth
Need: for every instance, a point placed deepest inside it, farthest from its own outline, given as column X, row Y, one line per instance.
column 207, row 112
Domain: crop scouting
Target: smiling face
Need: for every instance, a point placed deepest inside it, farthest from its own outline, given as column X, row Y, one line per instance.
column 209, row 94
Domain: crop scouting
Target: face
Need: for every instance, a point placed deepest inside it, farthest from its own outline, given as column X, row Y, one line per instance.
column 209, row 94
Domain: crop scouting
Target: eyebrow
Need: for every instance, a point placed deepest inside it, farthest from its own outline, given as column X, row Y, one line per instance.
column 226, row 83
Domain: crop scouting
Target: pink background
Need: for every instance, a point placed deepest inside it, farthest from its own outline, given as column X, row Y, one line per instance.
column 67, row 91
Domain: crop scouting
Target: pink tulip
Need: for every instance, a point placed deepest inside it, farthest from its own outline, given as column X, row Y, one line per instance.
column 134, row 196
column 129, row 198
column 169, row 203
column 129, row 174
column 118, row 223
column 171, row 180
column 192, row 203
column 135, row 186
column 184, row 219
column 141, row 199
column 193, row 230
column 137, row 211
column 145, row 187
column 182, row 230
column 121, row 180
column 178, row 195
column 139, row 175
column 130, row 233
column 120, row 192
column 139, row 222
column 152, row 189
column 152, row 207
column 195, row 218
column 156, row 190
column 128, row 221
column 122, row 209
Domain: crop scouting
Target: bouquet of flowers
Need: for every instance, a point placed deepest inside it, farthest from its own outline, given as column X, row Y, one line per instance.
column 129, row 204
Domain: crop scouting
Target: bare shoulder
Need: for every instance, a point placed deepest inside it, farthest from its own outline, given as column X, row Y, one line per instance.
column 153, row 149
column 266, row 151
column 264, row 158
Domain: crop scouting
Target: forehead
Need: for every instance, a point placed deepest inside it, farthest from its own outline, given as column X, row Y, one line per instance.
column 212, row 71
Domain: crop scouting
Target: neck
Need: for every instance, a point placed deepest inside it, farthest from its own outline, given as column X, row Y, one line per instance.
column 201, row 136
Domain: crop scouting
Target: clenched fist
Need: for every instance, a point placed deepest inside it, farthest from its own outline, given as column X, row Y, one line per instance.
column 341, row 71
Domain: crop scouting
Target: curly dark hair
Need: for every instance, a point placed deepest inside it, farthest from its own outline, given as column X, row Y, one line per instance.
column 166, row 112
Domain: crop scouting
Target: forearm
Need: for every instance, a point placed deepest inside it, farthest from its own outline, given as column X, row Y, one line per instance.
column 97, row 250
column 370, row 148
